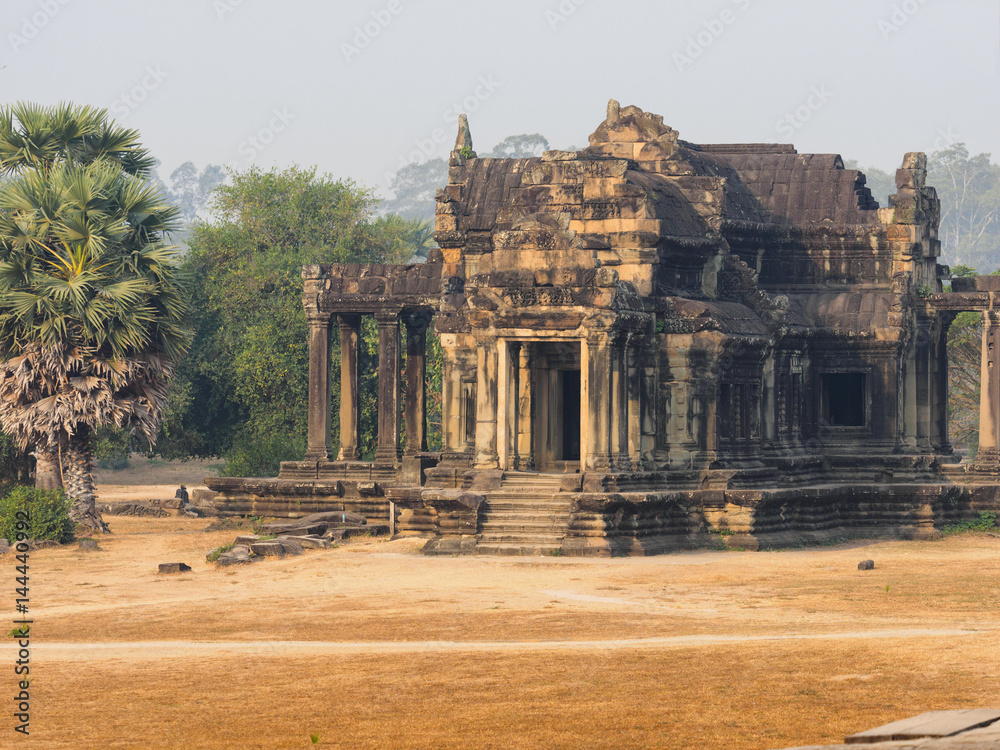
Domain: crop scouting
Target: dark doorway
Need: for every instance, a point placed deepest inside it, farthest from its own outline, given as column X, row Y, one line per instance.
column 844, row 401
column 570, row 382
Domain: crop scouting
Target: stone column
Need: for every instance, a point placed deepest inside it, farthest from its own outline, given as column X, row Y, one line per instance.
column 923, row 390
column 525, row 410
column 598, row 366
column 988, row 457
column 350, row 413
column 620, row 405
column 452, row 397
column 941, row 407
column 415, row 407
column 486, row 406
column 910, row 410
column 388, row 451
column 320, row 417
column 514, row 404
column 634, row 384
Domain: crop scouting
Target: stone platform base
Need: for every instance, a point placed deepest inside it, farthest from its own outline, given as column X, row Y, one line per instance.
column 566, row 519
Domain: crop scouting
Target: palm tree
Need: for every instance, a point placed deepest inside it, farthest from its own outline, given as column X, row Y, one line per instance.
column 92, row 309
column 404, row 239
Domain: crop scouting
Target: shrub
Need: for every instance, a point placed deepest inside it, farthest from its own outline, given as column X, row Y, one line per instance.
column 49, row 514
column 987, row 522
column 111, row 448
column 216, row 553
column 261, row 456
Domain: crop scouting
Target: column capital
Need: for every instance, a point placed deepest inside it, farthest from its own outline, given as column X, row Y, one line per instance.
column 418, row 319
column 388, row 317
column 348, row 320
column 319, row 318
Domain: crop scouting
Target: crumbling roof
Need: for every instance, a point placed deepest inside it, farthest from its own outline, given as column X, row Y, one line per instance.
column 796, row 188
column 854, row 313
column 488, row 186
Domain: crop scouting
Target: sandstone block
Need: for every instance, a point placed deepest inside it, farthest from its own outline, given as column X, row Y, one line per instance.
column 177, row 567
column 268, row 549
column 866, row 565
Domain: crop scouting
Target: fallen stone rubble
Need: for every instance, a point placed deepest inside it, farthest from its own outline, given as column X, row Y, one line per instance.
column 131, row 509
column 293, row 537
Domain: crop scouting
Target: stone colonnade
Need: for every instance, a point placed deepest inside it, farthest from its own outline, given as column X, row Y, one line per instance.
column 389, row 450
column 988, row 457
column 508, row 410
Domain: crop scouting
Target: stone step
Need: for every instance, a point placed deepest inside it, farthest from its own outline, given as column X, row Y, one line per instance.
column 513, row 549
column 525, row 507
column 538, row 536
column 523, row 528
column 554, row 486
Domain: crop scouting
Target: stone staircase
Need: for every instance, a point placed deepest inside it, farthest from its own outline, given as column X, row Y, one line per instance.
column 526, row 516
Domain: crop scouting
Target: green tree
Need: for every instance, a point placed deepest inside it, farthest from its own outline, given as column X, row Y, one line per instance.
column 190, row 190
column 404, row 240
column 415, row 187
column 969, row 188
column 92, row 309
column 882, row 184
column 243, row 389
column 522, row 146
column 245, row 381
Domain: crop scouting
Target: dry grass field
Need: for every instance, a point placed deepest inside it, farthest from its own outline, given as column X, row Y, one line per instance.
column 372, row 645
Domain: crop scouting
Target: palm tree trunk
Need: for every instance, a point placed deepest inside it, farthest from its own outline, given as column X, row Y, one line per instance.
column 80, row 484
column 48, row 474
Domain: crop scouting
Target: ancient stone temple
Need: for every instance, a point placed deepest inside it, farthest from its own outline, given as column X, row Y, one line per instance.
column 651, row 344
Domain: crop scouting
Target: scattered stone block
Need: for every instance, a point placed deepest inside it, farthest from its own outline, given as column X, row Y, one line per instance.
column 291, row 547
column 295, row 529
column 309, row 542
column 88, row 544
column 132, row 509
column 247, row 539
column 225, row 524
column 204, row 497
column 238, row 555
column 866, row 565
column 174, row 568
column 268, row 549
column 202, row 511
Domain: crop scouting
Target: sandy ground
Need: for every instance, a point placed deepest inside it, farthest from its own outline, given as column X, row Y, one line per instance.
column 372, row 645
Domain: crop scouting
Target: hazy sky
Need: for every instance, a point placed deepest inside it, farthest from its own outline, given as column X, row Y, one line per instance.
column 360, row 88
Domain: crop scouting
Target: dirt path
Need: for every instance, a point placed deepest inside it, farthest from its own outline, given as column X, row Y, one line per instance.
column 156, row 650
column 372, row 645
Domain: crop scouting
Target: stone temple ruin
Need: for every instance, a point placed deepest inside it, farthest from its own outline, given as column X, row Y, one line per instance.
column 648, row 345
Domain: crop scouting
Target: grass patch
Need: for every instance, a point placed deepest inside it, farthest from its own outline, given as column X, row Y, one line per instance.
column 216, row 553
column 987, row 522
